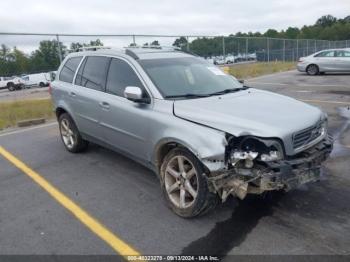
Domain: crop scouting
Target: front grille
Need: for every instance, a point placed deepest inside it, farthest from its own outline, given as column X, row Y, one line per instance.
column 307, row 135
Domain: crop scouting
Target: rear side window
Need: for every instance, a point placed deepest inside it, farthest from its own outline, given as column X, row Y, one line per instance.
column 92, row 73
column 121, row 75
column 343, row 53
column 69, row 68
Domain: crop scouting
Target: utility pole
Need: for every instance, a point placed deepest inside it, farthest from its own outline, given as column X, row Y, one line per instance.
column 246, row 49
column 284, row 50
column 223, row 46
column 268, row 49
column 59, row 48
column 297, row 51
column 187, row 44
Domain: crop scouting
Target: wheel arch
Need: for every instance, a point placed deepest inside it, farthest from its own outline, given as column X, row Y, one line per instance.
column 312, row 64
column 164, row 146
column 62, row 108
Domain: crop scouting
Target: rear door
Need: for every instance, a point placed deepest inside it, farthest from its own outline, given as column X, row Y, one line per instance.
column 124, row 122
column 86, row 94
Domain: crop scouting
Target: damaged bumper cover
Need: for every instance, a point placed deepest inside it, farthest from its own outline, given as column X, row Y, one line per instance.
column 284, row 174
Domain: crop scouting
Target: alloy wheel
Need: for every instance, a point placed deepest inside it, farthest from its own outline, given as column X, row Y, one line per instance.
column 68, row 136
column 181, row 182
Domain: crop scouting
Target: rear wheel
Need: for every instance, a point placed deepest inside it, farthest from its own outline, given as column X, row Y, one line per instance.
column 312, row 70
column 70, row 135
column 184, row 184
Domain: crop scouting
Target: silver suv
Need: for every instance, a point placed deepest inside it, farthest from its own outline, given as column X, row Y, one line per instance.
column 204, row 134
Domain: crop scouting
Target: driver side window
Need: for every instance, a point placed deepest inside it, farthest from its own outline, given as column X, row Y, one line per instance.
column 120, row 75
column 325, row 54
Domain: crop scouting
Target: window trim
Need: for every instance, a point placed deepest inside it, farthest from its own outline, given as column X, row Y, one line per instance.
column 80, row 64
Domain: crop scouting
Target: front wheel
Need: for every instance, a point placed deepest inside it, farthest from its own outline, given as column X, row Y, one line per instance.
column 70, row 135
column 184, row 184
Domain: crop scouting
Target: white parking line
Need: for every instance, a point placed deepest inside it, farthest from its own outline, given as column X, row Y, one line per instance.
column 27, row 129
column 301, row 85
column 325, row 102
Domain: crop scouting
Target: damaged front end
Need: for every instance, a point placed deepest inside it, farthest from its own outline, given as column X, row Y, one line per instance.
column 254, row 165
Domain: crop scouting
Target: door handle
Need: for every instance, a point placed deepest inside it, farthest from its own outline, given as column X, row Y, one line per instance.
column 72, row 94
column 104, row 105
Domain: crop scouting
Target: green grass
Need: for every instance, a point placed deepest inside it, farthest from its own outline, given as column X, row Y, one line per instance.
column 245, row 71
column 13, row 112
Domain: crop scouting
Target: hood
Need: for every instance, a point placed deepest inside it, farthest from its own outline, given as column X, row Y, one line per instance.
column 250, row 112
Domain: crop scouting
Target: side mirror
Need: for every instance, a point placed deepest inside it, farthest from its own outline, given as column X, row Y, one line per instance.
column 135, row 94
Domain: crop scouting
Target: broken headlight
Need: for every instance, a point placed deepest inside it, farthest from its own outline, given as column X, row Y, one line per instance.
column 249, row 149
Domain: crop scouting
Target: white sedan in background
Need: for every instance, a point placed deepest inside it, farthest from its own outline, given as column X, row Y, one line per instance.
column 332, row 60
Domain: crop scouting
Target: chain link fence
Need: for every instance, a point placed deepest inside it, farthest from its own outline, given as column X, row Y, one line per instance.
column 217, row 49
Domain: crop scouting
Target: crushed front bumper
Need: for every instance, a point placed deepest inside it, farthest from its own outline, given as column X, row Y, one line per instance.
column 283, row 174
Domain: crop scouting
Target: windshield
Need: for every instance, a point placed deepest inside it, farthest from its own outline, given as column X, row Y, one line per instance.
column 188, row 77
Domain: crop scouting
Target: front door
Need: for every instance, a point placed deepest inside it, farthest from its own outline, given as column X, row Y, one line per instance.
column 124, row 122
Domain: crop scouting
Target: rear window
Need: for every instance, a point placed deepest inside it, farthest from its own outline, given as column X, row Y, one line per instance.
column 69, row 68
column 93, row 72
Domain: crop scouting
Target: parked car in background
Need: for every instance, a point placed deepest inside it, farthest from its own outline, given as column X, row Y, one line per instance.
column 332, row 60
column 219, row 60
column 203, row 133
column 40, row 79
column 11, row 83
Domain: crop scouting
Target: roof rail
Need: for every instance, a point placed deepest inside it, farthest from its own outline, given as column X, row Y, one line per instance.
column 92, row 48
column 161, row 47
column 133, row 50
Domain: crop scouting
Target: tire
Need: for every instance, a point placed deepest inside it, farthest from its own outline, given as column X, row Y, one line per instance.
column 70, row 135
column 190, row 185
column 11, row 87
column 41, row 84
column 312, row 70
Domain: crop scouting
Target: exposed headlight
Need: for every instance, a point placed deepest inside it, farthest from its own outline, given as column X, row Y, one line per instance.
column 248, row 149
column 272, row 156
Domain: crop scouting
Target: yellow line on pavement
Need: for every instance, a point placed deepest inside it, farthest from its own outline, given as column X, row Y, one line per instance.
column 95, row 226
column 326, row 101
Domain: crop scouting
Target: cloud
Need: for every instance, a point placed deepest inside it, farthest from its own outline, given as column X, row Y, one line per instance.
column 181, row 17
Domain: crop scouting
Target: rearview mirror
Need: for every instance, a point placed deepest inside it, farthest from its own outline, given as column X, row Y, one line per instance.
column 135, row 94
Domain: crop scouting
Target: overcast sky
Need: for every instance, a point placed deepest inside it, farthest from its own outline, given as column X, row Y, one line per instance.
column 179, row 17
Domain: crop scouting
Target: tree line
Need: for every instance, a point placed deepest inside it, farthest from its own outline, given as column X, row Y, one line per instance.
column 326, row 27
column 47, row 56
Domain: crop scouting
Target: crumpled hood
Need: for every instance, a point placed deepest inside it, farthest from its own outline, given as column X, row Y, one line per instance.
column 254, row 112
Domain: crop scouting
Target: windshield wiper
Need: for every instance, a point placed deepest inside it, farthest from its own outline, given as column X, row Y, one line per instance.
column 187, row 96
column 229, row 90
